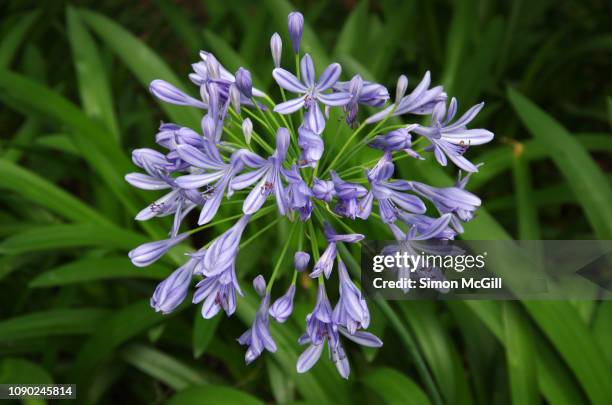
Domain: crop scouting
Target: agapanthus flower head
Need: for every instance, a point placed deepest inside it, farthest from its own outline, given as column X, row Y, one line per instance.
column 263, row 153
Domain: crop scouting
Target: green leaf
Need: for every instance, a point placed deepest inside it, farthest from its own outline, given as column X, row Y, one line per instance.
column 499, row 159
column 521, row 357
column 46, row 194
column 123, row 325
column 203, row 332
column 602, row 328
column 162, row 367
column 213, row 395
column 352, row 30
column 527, row 214
column 561, row 324
column 582, row 174
column 21, row 371
column 59, row 322
column 145, row 64
column 96, row 269
column 92, row 140
column 14, row 38
column 457, row 42
column 93, row 84
column 394, row 387
column 69, row 236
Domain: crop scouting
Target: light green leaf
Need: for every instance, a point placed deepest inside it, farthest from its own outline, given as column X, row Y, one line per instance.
column 95, row 269
column 69, row 236
column 394, row 387
column 93, row 84
column 520, row 357
column 21, row 371
column 213, row 395
column 123, row 325
column 584, row 177
column 35, row 188
column 14, row 38
column 162, row 367
column 203, row 332
column 145, row 64
column 57, row 322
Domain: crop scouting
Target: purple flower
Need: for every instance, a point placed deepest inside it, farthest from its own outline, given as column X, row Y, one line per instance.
column 323, row 190
column 150, row 252
column 215, row 175
column 258, row 337
column 218, row 291
column 319, row 330
column 247, row 130
column 170, row 94
column 300, row 261
column 362, row 92
column 259, row 285
column 298, row 193
column 283, row 306
column 210, row 71
column 312, row 92
column 326, row 262
column 452, row 140
column 178, row 201
column 221, row 254
column 425, row 228
column 453, row 200
column 276, row 47
column 295, row 21
column 244, row 82
column 391, row 195
column 353, row 200
column 268, row 173
column 398, row 139
column 171, row 292
column 311, row 147
column 421, row 101
column 351, row 311
column 400, row 89
column 368, row 93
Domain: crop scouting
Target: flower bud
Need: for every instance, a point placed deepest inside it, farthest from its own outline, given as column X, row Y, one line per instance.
column 247, row 130
column 172, row 291
column 150, row 252
column 244, row 82
column 234, row 96
column 276, row 46
column 283, row 306
column 212, row 67
column 300, row 261
column 295, row 21
column 323, row 190
column 259, row 284
column 400, row 89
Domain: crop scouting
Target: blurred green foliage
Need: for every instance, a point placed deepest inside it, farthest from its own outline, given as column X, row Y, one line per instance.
column 73, row 86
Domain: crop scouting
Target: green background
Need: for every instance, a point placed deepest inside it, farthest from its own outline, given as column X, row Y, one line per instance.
column 73, row 87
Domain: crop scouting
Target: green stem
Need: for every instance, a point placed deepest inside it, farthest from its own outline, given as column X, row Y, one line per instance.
column 281, row 257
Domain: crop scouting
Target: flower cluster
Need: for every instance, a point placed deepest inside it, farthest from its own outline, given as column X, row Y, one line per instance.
column 257, row 150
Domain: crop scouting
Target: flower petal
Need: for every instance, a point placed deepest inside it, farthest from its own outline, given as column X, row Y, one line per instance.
column 309, row 358
column 307, row 70
column 334, row 99
column 146, row 182
column 289, row 106
column 288, row 81
column 329, row 77
column 314, row 119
